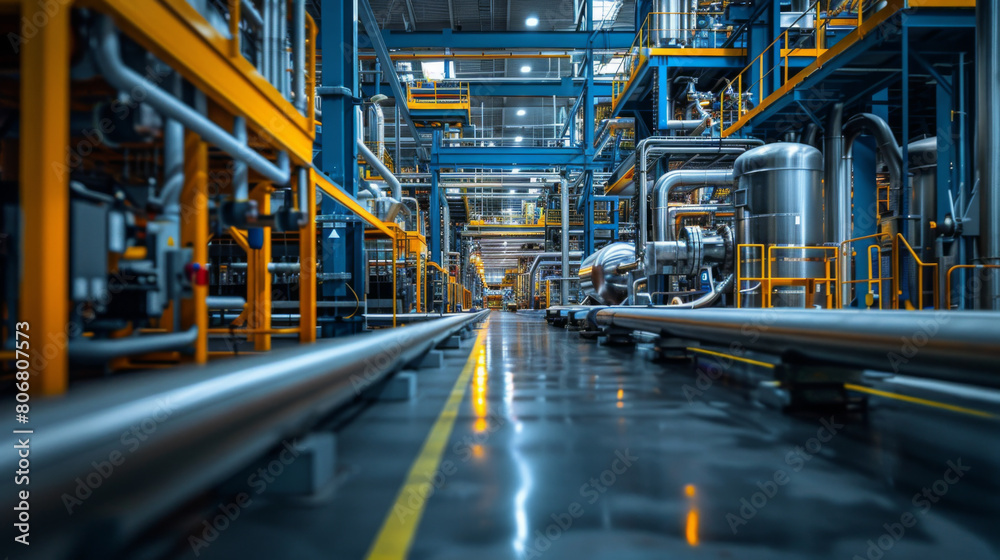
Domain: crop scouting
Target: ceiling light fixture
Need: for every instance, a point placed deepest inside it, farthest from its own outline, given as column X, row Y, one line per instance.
column 518, row 138
column 525, row 69
column 521, row 112
column 531, row 21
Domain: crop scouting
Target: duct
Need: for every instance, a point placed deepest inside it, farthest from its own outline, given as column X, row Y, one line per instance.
column 108, row 56
column 667, row 183
column 988, row 145
column 534, row 268
column 88, row 351
column 383, row 171
column 962, row 349
column 225, row 302
column 226, row 414
column 892, row 155
column 810, row 135
column 299, row 54
column 664, row 145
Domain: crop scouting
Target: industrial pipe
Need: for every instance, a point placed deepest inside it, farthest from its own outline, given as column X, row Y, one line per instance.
column 534, row 268
column 949, row 345
column 299, row 54
column 695, row 178
column 215, row 303
column 988, row 145
column 108, row 56
column 210, row 423
column 383, row 171
column 89, row 351
column 673, row 211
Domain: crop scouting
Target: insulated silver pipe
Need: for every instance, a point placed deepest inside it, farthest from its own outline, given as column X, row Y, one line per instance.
column 89, row 351
column 988, row 144
column 672, row 212
column 241, row 174
column 210, row 423
column 837, row 192
column 667, row 183
column 108, row 56
column 225, row 302
column 534, row 268
column 953, row 345
column 249, row 11
column 299, row 54
column 564, row 239
column 383, row 171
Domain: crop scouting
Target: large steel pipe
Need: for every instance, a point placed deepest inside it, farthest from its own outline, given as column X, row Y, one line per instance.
column 948, row 345
column 988, row 144
column 198, row 428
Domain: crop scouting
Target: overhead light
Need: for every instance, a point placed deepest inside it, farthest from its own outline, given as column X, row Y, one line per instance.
column 531, row 21
column 515, row 170
column 518, row 138
column 525, row 69
column 521, row 112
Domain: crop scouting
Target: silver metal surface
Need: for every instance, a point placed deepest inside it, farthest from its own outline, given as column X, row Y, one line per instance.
column 599, row 277
column 779, row 188
column 988, row 144
column 687, row 179
column 210, row 423
column 959, row 346
column 564, row 240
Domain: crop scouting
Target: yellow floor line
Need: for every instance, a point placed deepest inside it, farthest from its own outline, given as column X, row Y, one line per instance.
column 400, row 525
column 916, row 400
column 731, row 357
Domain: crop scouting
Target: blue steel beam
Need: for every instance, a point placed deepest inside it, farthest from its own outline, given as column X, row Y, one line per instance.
column 504, row 157
column 367, row 18
column 490, row 40
column 571, row 116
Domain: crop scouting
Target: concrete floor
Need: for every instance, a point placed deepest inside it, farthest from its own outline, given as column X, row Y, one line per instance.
column 565, row 449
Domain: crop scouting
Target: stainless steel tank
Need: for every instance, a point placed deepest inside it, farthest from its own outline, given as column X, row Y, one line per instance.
column 922, row 156
column 779, row 200
column 668, row 22
column 599, row 278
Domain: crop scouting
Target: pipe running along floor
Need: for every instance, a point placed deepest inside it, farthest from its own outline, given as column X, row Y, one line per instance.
column 534, row 443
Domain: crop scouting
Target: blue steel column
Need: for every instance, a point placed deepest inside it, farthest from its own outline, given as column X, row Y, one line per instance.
column 588, row 220
column 435, row 209
column 342, row 240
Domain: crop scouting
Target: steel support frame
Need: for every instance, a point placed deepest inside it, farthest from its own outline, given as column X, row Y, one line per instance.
column 342, row 241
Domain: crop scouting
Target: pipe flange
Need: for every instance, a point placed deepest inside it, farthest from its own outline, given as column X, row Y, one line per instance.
column 729, row 244
column 695, row 241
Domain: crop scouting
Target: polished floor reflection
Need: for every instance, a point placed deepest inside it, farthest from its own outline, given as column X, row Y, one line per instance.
column 561, row 448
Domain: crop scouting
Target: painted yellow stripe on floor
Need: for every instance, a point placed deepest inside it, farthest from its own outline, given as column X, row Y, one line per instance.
column 400, row 525
column 917, row 400
column 731, row 357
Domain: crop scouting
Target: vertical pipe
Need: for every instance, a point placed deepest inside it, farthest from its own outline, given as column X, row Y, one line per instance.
column 265, row 43
column 241, row 185
column 988, row 144
column 283, row 77
column 299, row 54
column 307, row 263
column 564, row 222
column 837, row 192
column 44, row 192
column 194, row 234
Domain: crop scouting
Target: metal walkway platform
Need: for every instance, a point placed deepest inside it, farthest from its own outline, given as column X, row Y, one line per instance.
column 540, row 444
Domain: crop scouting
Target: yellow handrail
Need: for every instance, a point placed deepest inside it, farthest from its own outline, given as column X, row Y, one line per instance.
column 871, row 280
column 920, row 273
column 947, row 279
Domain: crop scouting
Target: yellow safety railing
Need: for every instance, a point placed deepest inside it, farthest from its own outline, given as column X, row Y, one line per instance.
column 874, row 254
column 437, row 93
column 947, row 278
column 921, row 266
column 737, row 95
column 767, row 280
column 646, row 39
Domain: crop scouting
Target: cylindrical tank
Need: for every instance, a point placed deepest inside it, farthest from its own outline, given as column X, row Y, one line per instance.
column 780, row 199
column 922, row 156
column 376, row 129
column 668, row 22
column 599, row 278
